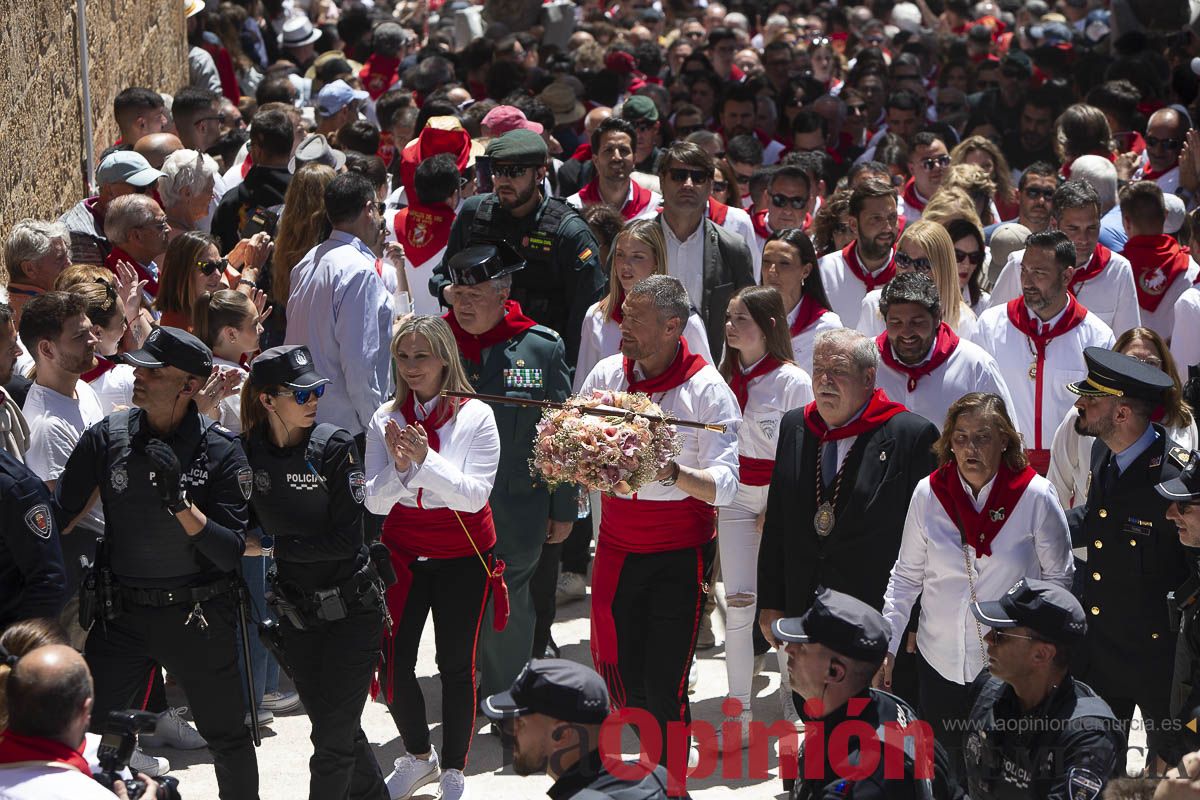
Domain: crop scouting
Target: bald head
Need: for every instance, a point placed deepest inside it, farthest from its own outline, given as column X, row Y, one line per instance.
column 157, row 146
column 594, row 118
column 50, row 695
column 1164, row 138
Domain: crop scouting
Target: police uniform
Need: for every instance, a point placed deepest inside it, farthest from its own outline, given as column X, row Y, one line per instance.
column 528, row 362
column 172, row 595
column 33, row 581
column 307, row 502
column 576, row 695
column 853, row 629
column 1069, row 745
column 562, row 275
column 1133, row 554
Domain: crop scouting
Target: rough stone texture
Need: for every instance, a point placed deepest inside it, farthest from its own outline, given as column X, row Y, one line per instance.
column 131, row 42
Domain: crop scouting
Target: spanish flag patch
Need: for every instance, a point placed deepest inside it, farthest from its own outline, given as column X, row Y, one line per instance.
column 586, row 254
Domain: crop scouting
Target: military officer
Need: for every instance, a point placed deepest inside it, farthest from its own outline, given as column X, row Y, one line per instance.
column 507, row 353
column 562, row 275
column 1033, row 730
column 33, row 581
column 1133, row 554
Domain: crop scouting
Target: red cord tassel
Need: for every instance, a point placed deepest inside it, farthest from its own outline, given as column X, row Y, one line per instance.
column 499, row 590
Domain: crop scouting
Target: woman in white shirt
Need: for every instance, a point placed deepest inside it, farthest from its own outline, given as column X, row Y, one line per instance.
column 767, row 384
column 1071, row 452
column 982, row 520
column 431, row 464
column 228, row 322
column 789, row 264
column 637, row 252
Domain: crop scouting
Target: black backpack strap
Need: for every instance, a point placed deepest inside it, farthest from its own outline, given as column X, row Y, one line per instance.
column 314, row 451
column 118, row 437
column 556, row 211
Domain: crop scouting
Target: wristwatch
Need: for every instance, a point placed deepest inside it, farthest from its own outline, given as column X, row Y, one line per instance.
column 674, row 475
column 266, row 543
column 183, row 504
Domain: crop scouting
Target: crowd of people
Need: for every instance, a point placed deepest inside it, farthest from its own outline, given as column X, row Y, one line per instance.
column 919, row 270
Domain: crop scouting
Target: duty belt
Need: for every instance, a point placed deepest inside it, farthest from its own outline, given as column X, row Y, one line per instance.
column 173, row 597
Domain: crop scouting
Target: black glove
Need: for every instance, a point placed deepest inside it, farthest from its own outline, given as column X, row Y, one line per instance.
column 166, row 472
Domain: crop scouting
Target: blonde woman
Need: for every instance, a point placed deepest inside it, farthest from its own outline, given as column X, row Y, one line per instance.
column 977, row 185
column 925, row 247
column 637, row 252
column 302, row 226
column 984, row 153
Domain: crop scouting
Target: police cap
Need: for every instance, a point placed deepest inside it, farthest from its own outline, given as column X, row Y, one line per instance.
column 170, row 347
column 842, row 623
column 556, row 687
column 480, row 263
column 1186, row 487
column 289, row 365
column 1045, row 608
column 1115, row 374
column 518, row 147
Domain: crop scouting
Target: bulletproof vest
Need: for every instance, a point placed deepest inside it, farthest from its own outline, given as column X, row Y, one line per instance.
column 146, row 542
column 1191, row 388
column 539, row 286
column 290, row 494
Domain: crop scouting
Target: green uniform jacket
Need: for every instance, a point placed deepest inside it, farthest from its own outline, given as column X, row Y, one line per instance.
column 531, row 365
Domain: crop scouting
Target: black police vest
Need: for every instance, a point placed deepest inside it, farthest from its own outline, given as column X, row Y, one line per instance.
column 1003, row 765
column 290, row 496
column 539, row 286
column 147, row 545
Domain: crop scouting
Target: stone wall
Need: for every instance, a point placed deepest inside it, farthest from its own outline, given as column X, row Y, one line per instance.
column 130, row 42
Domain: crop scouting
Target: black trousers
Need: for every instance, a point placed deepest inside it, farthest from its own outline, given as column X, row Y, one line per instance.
column 577, row 549
column 455, row 589
column 332, row 666
column 944, row 705
column 121, row 655
column 543, row 588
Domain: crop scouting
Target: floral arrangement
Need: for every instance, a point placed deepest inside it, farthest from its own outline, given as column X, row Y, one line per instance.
column 618, row 453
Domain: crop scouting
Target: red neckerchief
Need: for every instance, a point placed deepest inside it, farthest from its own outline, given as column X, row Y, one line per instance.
column 442, row 413
column 1157, row 260
column 118, row 254
column 760, row 224
column 1150, row 174
column 1095, row 265
column 472, row 346
column 739, row 381
column 943, row 347
column 423, row 230
column 1025, row 322
column 685, row 365
column 979, row 528
column 616, row 312
column 717, row 211
column 103, row 365
column 16, row 748
column 911, row 200
column 878, row 411
column 639, row 198
column 246, row 165
column 583, row 152
column 387, row 148
column 850, row 255
column 808, row 312
column 379, row 74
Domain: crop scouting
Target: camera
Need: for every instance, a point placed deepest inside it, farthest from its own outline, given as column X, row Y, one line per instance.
column 117, row 744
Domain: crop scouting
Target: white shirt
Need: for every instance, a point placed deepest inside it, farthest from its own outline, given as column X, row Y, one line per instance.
column 803, row 342
column 56, row 424
column 705, row 397
column 1015, row 354
column 1111, row 295
column 601, row 337
column 1033, row 543
column 738, row 222
column 1162, row 319
column 968, row 369
column 1185, row 338
column 843, row 288
column 1168, row 181
column 871, row 322
column 768, row 398
column 685, row 260
column 231, row 407
column 337, row 302
column 46, row 781
column 649, row 212
column 460, row 475
column 114, row 388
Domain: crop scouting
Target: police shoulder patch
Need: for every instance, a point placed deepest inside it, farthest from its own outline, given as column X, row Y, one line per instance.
column 1083, row 784
column 1180, row 455
column 221, row 429
column 245, row 479
column 358, row 485
column 38, row 520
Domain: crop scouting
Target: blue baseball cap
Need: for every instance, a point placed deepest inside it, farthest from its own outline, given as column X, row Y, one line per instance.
column 335, row 96
column 126, row 166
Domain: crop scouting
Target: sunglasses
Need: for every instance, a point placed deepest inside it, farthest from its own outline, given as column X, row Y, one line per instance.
column 856, row 109
column 1005, row 634
column 210, row 267
column 922, row 264
column 783, row 201
column 975, row 258
column 720, row 186
column 1034, row 193
column 218, row 117
column 698, row 176
column 644, row 125
column 382, row 207
column 302, row 395
column 935, row 161
column 1169, row 144
column 510, row 170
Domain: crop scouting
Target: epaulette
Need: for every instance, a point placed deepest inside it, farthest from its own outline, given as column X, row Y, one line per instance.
column 546, row 333
column 1180, row 455
column 217, row 427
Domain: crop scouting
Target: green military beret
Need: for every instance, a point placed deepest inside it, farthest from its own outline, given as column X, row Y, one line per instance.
column 518, row 147
column 638, row 108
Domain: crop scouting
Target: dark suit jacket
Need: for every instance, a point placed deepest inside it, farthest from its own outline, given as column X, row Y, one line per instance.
column 728, row 267
column 882, row 469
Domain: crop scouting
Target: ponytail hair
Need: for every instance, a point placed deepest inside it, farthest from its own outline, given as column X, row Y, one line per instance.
column 17, row 640
column 214, row 311
column 253, row 413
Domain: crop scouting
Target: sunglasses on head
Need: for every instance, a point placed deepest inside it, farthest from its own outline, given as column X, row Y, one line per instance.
column 921, row 264
column 302, row 395
column 510, row 170
column 1169, row 144
column 210, row 267
column 1034, row 193
column 783, row 201
column 698, row 176
column 975, row 258
column 934, row 162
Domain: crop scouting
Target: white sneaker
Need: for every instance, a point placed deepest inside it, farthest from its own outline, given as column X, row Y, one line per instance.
column 571, row 586
column 280, row 702
column 153, row 766
column 693, row 676
column 743, row 721
column 174, row 731
column 411, row 773
column 265, row 717
column 785, row 699
column 453, row 785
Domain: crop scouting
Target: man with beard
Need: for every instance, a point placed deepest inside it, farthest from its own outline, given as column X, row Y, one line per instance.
column 867, row 262
column 925, row 365
column 613, row 147
column 736, row 113
column 1134, row 554
column 562, row 275
column 1038, row 339
column 553, row 712
column 1033, row 140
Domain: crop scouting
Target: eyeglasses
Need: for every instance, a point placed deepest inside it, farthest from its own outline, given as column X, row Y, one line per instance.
column 933, row 162
column 302, row 395
column 818, row 41
column 510, row 170
column 1168, row 144
column 720, row 186
column 698, row 176
column 906, row 261
column 975, row 258
column 161, row 223
column 1151, row 361
column 694, row 34
column 380, row 208
column 783, row 201
column 210, row 267
column 1034, row 193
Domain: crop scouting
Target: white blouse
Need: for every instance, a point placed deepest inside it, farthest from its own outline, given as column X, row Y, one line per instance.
column 769, row 398
column 231, row 407
column 804, row 341
column 601, row 338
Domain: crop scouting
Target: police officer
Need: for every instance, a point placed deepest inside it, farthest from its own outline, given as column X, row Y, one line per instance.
column 562, row 277
column 307, row 504
column 33, row 581
column 553, row 712
column 174, row 487
column 1033, row 730
column 1133, row 554
column 833, row 652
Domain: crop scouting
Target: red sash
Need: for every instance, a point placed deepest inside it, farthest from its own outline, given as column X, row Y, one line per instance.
column 379, row 74
column 639, row 199
column 878, row 411
column 755, row 471
column 760, row 224
column 911, row 200
column 1157, row 260
column 979, row 528
column 472, row 346
column 1096, row 264
column 423, row 230
column 118, row 254
column 717, row 211
column 1023, row 321
column 685, row 365
column 809, row 312
column 850, row 255
column 943, row 347
column 103, row 365
column 739, row 381
column 16, row 749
